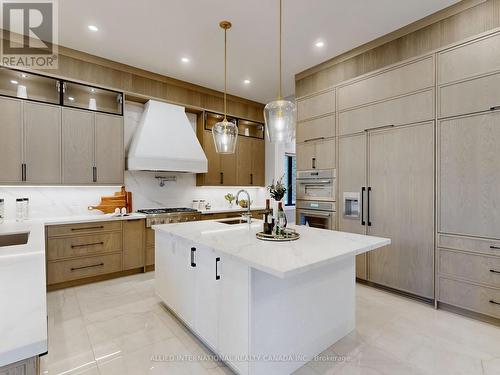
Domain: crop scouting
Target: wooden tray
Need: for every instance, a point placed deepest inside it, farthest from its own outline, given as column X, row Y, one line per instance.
column 290, row 235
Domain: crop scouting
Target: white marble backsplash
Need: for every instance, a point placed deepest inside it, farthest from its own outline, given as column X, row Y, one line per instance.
column 57, row 201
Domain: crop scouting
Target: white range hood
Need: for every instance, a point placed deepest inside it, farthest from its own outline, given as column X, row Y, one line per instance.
column 166, row 141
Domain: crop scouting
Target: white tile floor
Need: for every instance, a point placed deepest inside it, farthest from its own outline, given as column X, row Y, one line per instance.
column 119, row 327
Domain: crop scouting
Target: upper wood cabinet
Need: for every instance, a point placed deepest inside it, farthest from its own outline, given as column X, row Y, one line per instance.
column 30, row 145
column 92, row 147
column 399, row 80
column 316, row 105
column 24, row 85
column 316, row 155
column 93, row 98
column 246, row 167
column 469, row 175
column 316, row 129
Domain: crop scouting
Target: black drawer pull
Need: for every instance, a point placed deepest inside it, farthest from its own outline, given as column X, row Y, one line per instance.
column 91, row 266
column 88, row 244
column 495, row 247
column 193, row 263
column 494, row 302
column 494, row 271
column 314, row 139
column 494, row 108
column 313, row 163
column 89, row 228
column 217, row 276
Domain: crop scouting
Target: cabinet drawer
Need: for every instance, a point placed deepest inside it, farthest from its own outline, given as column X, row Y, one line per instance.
column 397, row 81
column 477, row 245
column 323, row 127
column 67, row 247
column 468, row 296
column 58, row 272
column 77, row 229
column 316, row 105
column 480, row 94
column 150, row 237
column 477, row 268
column 405, row 110
column 469, row 60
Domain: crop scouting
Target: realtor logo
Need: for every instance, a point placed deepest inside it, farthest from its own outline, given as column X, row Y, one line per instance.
column 29, row 34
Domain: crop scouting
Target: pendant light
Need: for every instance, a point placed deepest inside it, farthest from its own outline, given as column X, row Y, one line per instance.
column 225, row 133
column 280, row 114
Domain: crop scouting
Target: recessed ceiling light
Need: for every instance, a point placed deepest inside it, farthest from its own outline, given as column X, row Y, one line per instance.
column 24, row 75
column 93, row 28
column 319, row 44
column 185, row 60
column 92, row 89
column 246, row 81
column 14, row 82
column 71, row 98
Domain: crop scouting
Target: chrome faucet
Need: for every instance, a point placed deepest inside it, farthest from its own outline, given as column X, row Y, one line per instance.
column 248, row 215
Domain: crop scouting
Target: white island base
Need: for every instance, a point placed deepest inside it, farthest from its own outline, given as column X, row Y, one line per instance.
column 260, row 314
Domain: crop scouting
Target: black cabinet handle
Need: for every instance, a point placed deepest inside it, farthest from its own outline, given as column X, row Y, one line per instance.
column 363, row 222
column 494, row 302
column 495, row 108
column 251, row 178
column 23, row 172
column 314, row 163
column 217, row 276
column 495, row 247
column 494, row 271
column 193, row 263
column 94, row 174
column 379, row 127
column 91, row 266
column 314, row 139
column 89, row 228
column 88, row 244
column 369, row 223
column 222, row 178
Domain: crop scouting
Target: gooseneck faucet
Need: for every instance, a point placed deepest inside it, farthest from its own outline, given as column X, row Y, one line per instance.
column 248, row 215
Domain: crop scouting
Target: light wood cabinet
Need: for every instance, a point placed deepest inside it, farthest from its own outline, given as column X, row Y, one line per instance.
column 92, row 147
column 469, row 175
column 109, row 153
column 150, row 247
column 316, row 105
column 399, row 80
column 26, row 367
column 408, row 109
column 78, row 136
column 316, row 129
column 250, row 159
column 133, row 243
column 42, row 140
column 316, row 155
column 401, row 203
column 351, row 177
column 11, row 140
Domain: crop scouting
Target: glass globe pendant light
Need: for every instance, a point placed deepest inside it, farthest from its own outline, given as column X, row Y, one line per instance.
column 279, row 114
column 225, row 133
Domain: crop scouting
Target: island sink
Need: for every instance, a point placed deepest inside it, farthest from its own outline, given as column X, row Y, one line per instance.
column 264, row 307
column 233, row 221
column 14, row 239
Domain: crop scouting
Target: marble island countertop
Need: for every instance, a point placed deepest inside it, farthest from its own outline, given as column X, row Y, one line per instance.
column 315, row 248
column 235, row 208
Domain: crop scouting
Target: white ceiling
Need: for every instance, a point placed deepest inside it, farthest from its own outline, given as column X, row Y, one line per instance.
column 156, row 34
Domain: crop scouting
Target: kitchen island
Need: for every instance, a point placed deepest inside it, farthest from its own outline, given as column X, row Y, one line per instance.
column 264, row 307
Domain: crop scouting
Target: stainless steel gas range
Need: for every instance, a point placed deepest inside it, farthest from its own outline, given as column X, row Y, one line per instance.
column 169, row 215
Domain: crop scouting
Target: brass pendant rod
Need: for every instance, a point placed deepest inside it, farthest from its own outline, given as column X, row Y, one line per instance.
column 281, row 12
column 225, row 73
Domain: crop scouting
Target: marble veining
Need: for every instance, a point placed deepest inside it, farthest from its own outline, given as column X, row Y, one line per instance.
column 315, row 248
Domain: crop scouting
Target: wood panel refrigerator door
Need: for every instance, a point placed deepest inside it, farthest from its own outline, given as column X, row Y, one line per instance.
column 351, row 179
column 11, row 140
column 213, row 175
column 401, row 177
column 234, row 315
column 469, row 175
column 77, row 146
column 42, row 141
column 244, row 161
column 207, row 295
column 109, row 157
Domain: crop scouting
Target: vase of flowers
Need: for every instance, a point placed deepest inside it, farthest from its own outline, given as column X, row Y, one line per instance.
column 277, row 191
column 230, row 198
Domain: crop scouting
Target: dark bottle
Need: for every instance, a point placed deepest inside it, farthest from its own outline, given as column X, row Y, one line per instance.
column 267, row 222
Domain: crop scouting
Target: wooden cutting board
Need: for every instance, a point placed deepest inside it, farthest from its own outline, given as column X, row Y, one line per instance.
column 120, row 200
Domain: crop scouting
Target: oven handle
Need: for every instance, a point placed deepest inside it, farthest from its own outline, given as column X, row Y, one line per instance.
column 315, row 213
column 313, row 182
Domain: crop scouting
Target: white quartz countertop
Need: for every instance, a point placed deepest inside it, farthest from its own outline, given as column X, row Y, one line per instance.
column 231, row 209
column 90, row 218
column 314, row 248
column 23, row 308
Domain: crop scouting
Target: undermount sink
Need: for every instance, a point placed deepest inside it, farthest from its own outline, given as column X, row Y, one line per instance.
column 14, row 239
column 233, row 221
